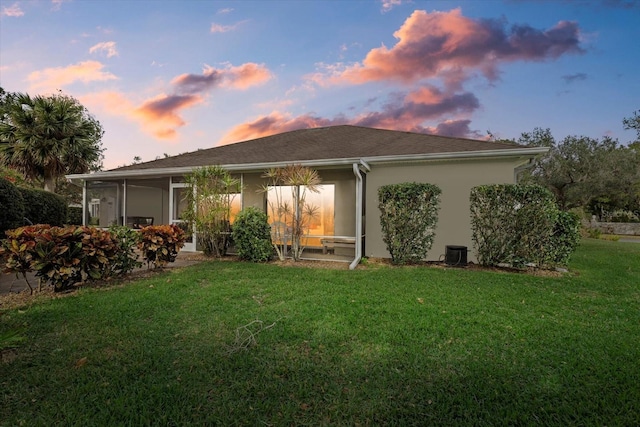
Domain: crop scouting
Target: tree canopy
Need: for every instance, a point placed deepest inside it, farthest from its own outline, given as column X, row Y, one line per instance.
column 596, row 174
column 45, row 137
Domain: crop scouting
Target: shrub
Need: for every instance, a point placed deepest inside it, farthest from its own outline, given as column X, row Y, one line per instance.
column 408, row 215
column 160, row 244
column 564, row 239
column 520, row 224
column 126, row 259
column 210, row 194
column 44, row 207
column 74, row 215
column 11, row 207
column 252, row 235
column 61, row 256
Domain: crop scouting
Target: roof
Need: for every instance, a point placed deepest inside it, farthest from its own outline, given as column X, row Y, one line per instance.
column 335, row 142
column 322, row 147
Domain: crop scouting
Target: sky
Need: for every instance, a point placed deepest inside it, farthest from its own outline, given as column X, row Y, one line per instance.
column 168, row 77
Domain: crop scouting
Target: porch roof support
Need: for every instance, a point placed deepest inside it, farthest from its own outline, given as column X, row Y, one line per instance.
column 357, row 167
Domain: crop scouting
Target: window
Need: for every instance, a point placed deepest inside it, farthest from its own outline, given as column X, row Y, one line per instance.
column 280, row 209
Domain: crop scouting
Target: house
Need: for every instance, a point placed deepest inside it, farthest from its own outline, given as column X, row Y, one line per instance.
column 353, row 163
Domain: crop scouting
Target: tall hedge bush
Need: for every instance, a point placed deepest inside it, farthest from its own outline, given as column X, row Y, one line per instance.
column 516, row 225
column 44, row 207
column 11, row 207
column 408, row 216
column 252, row 235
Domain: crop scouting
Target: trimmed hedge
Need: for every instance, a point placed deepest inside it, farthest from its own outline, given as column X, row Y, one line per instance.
column 11, row 207
column 252, row 235
column 520, row 224
column 74, row 215
column 408, row 216
column 44, row 207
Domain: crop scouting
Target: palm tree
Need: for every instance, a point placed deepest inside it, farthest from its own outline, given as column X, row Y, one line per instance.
column 45, row 137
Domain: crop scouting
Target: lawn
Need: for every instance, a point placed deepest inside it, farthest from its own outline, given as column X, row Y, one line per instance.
column 376, row 346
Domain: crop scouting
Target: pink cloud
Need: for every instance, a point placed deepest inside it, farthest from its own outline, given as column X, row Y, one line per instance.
column 160, row 117
column 51, row 79
column 406, row 112
column 240, row 77
column 447, row 44
column 14, row 11
column 275, row 122
column 387, row 5
column 109, row 48
column 219, row 28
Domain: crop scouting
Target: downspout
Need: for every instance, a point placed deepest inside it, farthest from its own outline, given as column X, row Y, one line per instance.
column 359, row 201
column 124, row 202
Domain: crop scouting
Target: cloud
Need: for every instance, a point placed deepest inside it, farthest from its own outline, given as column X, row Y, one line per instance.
column 240, row 77
column 160, row 114
column 276, row 122
column 51, row 79
column 570, row 78
column 453, row 128
column 107, row 47
column 57, row 4
column 13, row 11
column 387, row 5
column 452, row 47
column 406, row 112
column 219, row 28
column 224, row 11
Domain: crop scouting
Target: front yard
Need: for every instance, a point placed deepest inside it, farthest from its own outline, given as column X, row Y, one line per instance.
column 229, row 343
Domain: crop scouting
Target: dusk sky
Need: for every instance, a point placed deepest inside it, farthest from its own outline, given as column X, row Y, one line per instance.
column 175, row 76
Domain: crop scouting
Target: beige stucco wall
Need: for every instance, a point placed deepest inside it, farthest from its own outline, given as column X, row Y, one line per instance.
column 455, row 179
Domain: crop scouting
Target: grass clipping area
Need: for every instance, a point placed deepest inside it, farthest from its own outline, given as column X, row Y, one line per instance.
column 230, row 343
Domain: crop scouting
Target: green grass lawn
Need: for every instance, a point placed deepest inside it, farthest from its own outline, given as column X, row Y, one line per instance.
column 378, row 346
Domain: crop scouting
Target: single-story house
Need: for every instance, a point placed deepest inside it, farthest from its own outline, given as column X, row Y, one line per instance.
column 353, row 163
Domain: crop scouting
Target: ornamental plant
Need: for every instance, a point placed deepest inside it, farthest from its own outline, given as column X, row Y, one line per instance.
column 252, row 235
column 160, row 244
column 211, row 192
column 126, row 259
column 289, row 211
column 519, row 225
column 61, row 256
column 408, row 216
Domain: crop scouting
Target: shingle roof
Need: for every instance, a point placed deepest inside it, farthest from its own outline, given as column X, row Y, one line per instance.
column 335, row 142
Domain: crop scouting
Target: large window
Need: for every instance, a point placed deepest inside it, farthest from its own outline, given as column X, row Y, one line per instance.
column 320, row 224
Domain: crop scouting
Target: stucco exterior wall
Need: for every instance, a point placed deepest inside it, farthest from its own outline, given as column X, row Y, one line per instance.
column 455, row 179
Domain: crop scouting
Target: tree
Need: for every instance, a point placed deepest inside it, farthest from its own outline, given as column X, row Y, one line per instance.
column 210, row 193
column 633, row 123
column 580, row 170
column 290, row 213
column 46, row 137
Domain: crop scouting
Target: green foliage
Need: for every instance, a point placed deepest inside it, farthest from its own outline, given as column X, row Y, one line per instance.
column 126, row 259
column 74, row 215
column 586, row 172
column 46, row 137
column 61, row 256
column 408, row 216
column 160, row 244
column 211, row 192
column 633, row 122
column 290, row 221
column 520, row 224
column 43, row 207
column 252, row 235
column 11, row 207
column 564, row 239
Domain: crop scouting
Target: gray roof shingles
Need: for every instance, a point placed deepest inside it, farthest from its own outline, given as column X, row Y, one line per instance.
column 335, row 142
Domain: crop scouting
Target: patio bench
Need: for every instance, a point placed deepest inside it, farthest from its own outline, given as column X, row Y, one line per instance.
column 330, row 243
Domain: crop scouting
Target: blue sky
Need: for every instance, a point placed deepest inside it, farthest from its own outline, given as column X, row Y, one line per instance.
column 176, row 76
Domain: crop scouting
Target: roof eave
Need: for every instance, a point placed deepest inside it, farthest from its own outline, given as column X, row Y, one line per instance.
column 528, row 152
